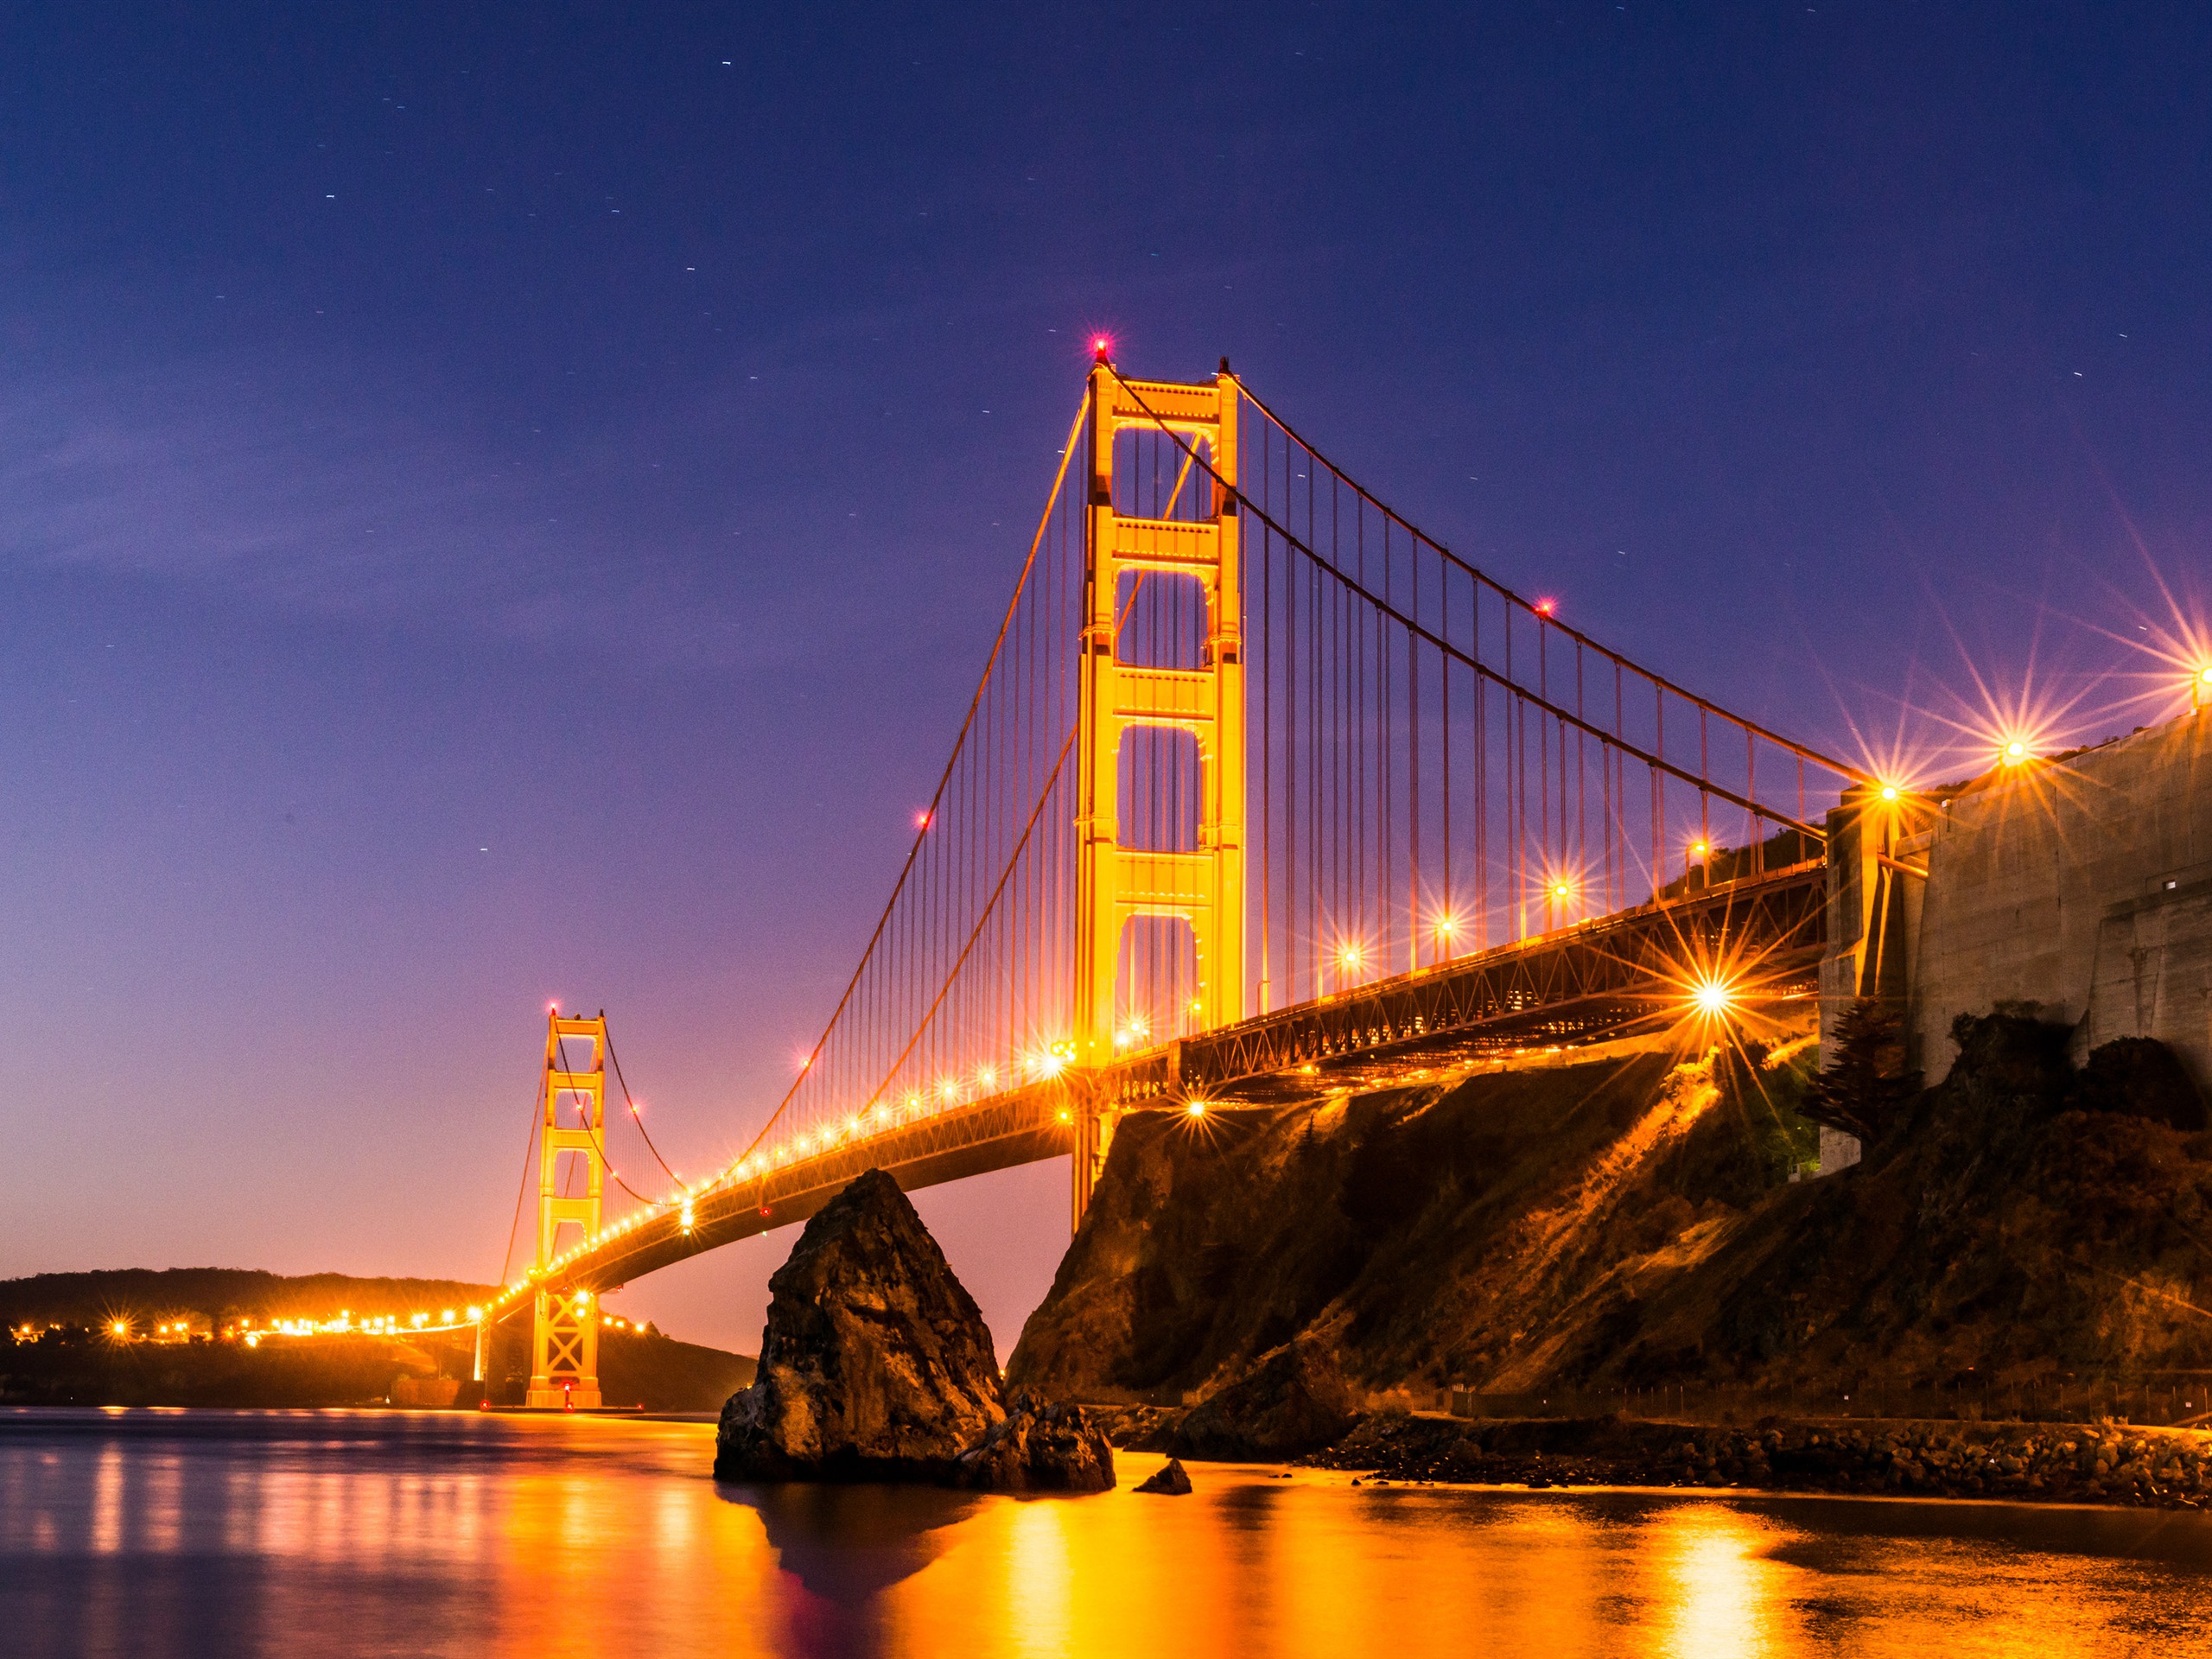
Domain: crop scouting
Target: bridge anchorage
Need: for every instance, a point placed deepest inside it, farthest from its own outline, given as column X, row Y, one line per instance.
column 1263, row 792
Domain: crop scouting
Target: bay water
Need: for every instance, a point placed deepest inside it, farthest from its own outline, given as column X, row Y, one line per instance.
column 161, row 1534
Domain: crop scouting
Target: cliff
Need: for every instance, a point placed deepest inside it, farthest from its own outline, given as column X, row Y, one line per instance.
column 1631, row 1225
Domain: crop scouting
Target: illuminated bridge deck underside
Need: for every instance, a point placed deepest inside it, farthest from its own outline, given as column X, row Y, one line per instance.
column 1620, row 976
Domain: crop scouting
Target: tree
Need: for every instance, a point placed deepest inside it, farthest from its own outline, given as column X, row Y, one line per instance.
column 1865, row 1091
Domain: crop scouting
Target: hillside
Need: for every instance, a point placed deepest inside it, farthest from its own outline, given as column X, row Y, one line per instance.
column 79, row 1365
column 1631, row 1226
column 216, row 1295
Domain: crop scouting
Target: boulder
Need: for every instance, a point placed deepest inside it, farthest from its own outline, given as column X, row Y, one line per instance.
column 1040, row 1447
column 875, row 1364
column 1292, row 1400
column 1168, row 1481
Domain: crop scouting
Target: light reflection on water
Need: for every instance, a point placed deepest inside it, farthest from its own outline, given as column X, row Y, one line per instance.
column 171, row 1534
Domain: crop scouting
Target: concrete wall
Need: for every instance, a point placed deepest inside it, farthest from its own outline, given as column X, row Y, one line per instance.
column 2084, row 885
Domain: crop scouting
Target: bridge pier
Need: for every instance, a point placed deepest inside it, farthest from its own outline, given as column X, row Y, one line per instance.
column 1094, row 1133
column 1877, row 883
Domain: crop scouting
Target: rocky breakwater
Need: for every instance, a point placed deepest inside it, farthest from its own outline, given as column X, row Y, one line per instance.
column 876, row 1365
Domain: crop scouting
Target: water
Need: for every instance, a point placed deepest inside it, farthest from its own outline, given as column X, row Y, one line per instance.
column 157, row 1533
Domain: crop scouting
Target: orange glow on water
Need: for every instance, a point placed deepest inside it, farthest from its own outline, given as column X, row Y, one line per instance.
column 569, row 1524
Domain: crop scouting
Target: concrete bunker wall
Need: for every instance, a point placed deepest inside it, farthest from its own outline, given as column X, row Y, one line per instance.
column 2084, row 885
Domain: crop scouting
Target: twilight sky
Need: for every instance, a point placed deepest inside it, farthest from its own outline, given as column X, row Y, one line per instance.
column 500, row 503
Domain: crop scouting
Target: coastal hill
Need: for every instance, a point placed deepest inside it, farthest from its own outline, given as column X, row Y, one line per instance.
column 1611, row 1235
column 213, row 1297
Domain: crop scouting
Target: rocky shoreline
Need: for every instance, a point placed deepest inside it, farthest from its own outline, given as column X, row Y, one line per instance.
column 2063, row 1462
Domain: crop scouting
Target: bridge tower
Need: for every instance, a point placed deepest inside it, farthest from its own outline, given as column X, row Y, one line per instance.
column 564, row 1336
column 1116, row 884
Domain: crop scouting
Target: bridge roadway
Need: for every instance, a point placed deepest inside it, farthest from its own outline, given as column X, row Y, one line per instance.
column 1610, row 977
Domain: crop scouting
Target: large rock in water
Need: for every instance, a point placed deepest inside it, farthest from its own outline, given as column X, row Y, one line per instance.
column 876, row 1365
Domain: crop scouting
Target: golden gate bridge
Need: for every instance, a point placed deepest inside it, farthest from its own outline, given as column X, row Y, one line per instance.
column 1263, row 792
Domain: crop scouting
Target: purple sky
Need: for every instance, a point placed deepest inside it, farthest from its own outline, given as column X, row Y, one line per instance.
column 509, row 508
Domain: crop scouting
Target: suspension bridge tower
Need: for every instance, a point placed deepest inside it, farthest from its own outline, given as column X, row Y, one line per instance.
column 564, row 1336
column 1116, row 884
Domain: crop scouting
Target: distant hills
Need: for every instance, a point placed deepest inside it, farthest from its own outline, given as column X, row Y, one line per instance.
column 219, row 1294
column 78, row 1366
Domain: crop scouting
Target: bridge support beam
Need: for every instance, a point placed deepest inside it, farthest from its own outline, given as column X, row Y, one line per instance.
column 564, row 1334
column 1116, row 883
column 1877, row 877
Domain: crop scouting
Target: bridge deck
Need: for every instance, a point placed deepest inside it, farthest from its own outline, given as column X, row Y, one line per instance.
column 1618, row 976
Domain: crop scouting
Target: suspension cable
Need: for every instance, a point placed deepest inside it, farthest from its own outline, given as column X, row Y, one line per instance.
column 636, row 1116
column 522, row 1190
column 1385, row 608
column 1841, row 768
column 990, row 905
column 928, row 819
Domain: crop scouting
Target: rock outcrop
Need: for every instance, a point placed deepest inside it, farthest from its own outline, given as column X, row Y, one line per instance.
column 876, row 1365
column 1171, row 1479
column 1619, row 1229
column 1040, row 1447
column 1292, row 1400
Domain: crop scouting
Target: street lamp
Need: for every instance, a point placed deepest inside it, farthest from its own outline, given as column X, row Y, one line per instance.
column 1349, row 960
